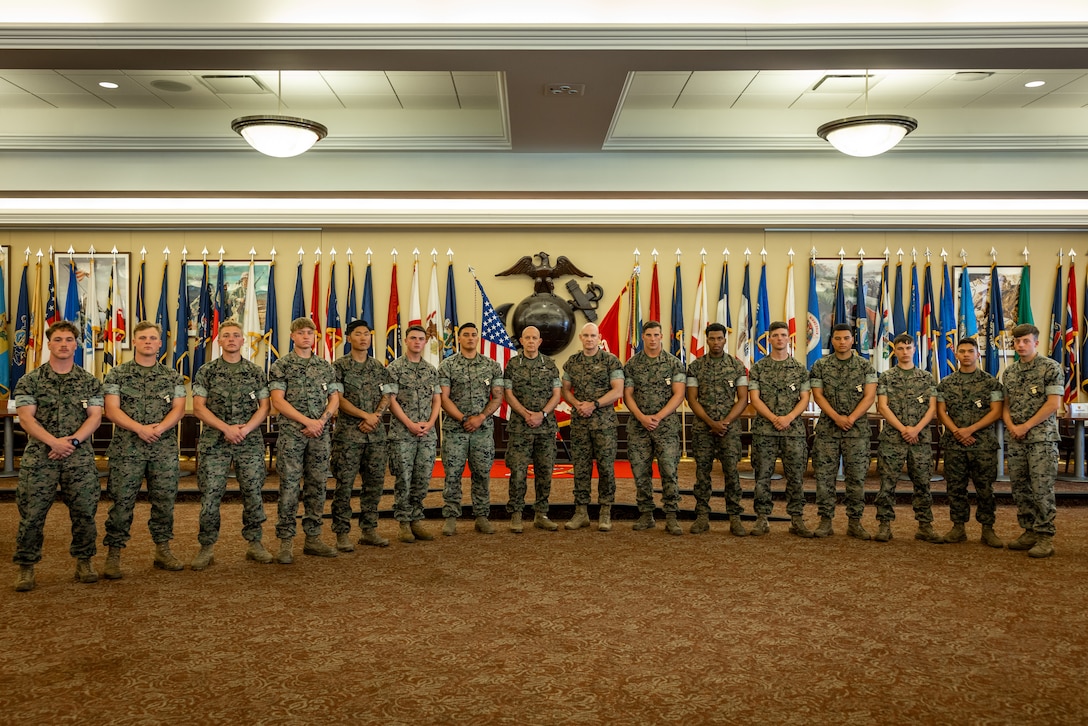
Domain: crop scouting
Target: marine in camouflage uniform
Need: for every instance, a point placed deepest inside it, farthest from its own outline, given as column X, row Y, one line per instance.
column 592, row 382
column 532, row 387
column 779, row 388
column 844, row 386
column 60, row 407
column 230, row 397
column 717, row 391
column 415, row 400
column 969, row 403
column 907, row 399
column 472, row 390
column 653, row 388
column 358, row 441
column 1033, row 387
column 306, row 395
column 144, row 400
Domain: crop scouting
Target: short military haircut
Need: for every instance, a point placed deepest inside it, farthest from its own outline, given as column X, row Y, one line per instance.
column 62, row 325
column 467, row 326
column 715, row 328
column 650, row 325
column 842, row 327
column 232, row 323
column 777, row 325
column 356, row 324
column 1025, row 329
column 146, row 325
column 300, row 323
column 903, row 339
column 416, row 329
column 968, row 341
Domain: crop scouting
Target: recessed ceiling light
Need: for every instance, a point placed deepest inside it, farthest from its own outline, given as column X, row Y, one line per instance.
column 968, row 76
column 1034, row 84
column 107, row 84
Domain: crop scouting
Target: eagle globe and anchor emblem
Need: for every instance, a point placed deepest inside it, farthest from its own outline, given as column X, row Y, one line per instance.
column 550, row 314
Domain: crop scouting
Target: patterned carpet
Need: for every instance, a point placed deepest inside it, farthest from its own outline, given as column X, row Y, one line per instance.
column 556, row 628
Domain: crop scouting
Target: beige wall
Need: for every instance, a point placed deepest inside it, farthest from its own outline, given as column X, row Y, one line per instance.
column 607, row 254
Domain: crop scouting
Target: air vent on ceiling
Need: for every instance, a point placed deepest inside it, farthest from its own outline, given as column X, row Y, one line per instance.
column 852, row 83
column 236, row 84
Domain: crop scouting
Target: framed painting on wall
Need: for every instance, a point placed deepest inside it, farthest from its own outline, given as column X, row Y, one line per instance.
column 235, row 280
column 979, row 279
column 103, row 272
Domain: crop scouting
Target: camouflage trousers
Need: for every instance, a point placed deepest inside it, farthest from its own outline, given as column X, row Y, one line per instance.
column 349, row 459
column 478, row 449
column 586, row 446
column 39, row 477
column 411, row 462
column 538, row 450
column 855, row 455
column 211, row 475
column 919, row 460
column 303, row 466
column 981, row 466
column 709, row 448
column 126, row 474
column 793, row 451
column 1033, row 467
column 642, row 448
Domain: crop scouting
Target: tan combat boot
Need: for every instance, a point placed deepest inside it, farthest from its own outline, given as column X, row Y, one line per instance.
column 854, row 529
column 371, row 537
column 420, row 533
column 204, row 557
column 85, row 571
column 580, row 518
column 957, row 534
column 316, row 548
column 450, row 527
column 701, row 524
column 990, row 538
column 736, row 528
column 884, row 532
column 761, row 527
column 484, row 526
column 25, row 581
column 604, row 519
column 1024, row 542
column 541, row 521
column 798, row 528
column 406, row 532
column 515, row 523
column 112, row 570
column 1044, row 547
column 927, row 534
column 285, row 556
column 258, row 553
column 343, row 542
column 645, row 521
column 824, row 529
column 671, row 525
column 165, row 560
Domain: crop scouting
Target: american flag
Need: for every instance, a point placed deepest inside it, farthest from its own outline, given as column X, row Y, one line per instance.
column 495, row 343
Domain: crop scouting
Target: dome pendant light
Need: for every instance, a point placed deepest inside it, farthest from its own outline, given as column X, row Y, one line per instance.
column 276, row 135
column 868, row 135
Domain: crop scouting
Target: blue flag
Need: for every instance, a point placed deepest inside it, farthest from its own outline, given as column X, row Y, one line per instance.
column 71, row 309
column 22, row 332
column 51, row 306
column 271, row 319
column 724, row 314
column 763, row 317
column 899, row 320
column 1057, row 333
column 862, row 335
column 995, row 325
column 368, row 304
column 968, row 322
column 221, row 301
column 914, row 314
column 181, row 347
column 744, row 321
column 141, row 294
column 814, row 334
column 946, row 350
column 450, row 324
column 298, row 303
column 203, row 321
column 352, row 311
column 162, row 316
column 334, row 333
column 677, row 347
column 838, row 312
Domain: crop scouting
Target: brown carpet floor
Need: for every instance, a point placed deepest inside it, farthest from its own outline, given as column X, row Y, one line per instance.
column 555, row 628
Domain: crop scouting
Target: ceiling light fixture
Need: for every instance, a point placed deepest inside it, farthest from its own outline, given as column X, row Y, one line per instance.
column 1034, row 84
column 107, row 84
column 277, row 135
column 868, row 135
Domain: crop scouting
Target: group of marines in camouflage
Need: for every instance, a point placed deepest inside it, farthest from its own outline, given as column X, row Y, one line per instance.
column 60, row 406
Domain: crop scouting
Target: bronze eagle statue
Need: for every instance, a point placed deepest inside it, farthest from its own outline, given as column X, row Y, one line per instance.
column 544, row 272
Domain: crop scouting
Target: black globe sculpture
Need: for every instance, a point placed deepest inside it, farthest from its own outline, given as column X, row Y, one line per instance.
column 551, row 315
